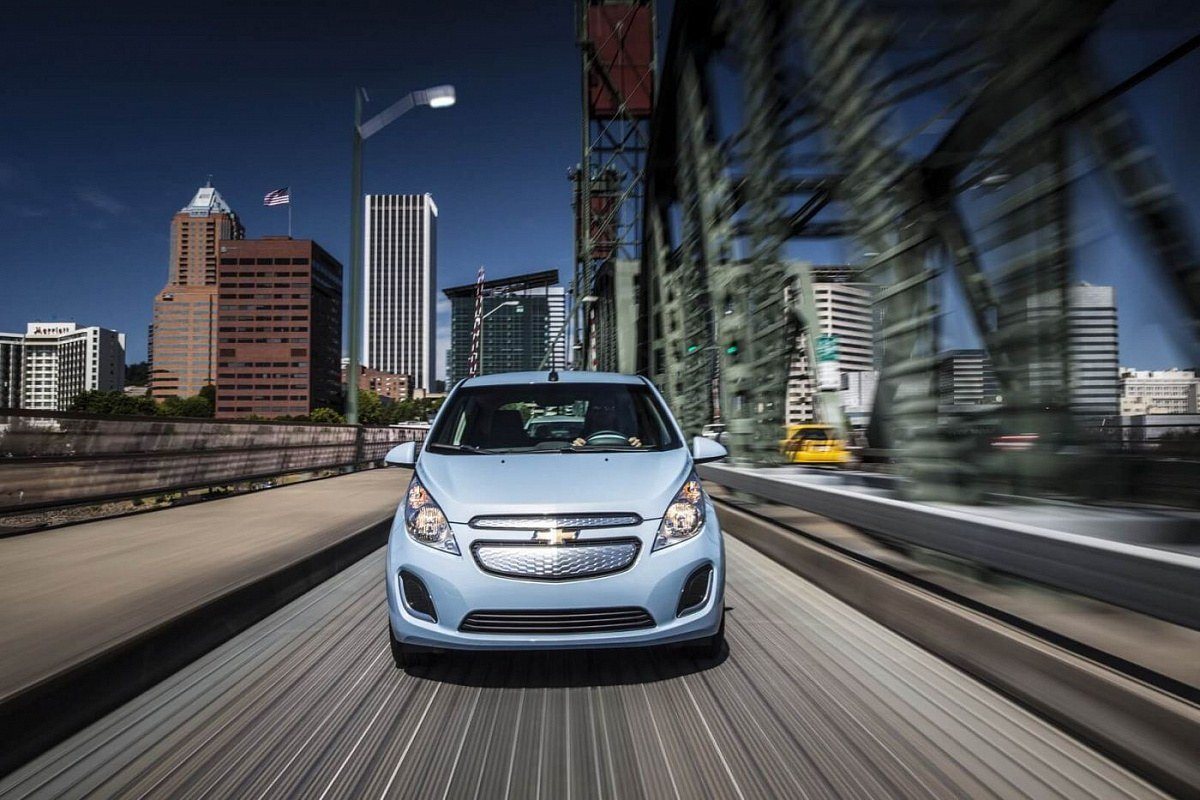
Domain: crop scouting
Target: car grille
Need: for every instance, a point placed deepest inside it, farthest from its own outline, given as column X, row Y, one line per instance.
column 533, row 522
column 583, row 620
column 547, row 562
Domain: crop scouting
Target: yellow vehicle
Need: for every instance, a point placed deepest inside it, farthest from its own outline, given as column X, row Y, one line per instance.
column 814, row 444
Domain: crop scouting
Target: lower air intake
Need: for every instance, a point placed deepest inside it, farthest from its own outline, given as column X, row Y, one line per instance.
column 581, row 620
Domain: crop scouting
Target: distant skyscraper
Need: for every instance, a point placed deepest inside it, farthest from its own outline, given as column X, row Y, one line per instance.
column 400, row 285
column 844, row 310
column 279, row 331
column 184, row 338
column 966, row 378
column 526, row 336
column 1093, row 350
column 53, row 362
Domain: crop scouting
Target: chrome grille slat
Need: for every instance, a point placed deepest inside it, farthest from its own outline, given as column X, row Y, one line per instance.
column 562, row 622
column 542, row 522
column 535, row 561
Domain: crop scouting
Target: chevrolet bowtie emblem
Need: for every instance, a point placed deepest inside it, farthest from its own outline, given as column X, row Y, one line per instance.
column 555, row 536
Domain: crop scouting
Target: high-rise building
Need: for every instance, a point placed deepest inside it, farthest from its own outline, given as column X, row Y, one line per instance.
column 843, row 306
column 185, row 311
column 966, row 378
column 1169, row 391
column 279, row 329
column 400, row 285
column 857, row 396
column 1093, row 350
column 526, row 335
column 54, row 362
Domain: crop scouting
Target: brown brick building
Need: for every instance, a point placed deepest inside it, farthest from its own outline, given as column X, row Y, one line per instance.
column 279, row 329
column 183, row 338
column 387, row 385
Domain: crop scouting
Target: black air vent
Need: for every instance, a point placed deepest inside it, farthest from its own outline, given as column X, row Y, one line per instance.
column 695, row 591
column 582, row 620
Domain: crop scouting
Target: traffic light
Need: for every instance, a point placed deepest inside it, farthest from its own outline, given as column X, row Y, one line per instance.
column 692, row 348
column 732, row 350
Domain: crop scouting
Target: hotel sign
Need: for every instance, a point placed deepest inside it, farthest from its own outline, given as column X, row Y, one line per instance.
column 49, row 328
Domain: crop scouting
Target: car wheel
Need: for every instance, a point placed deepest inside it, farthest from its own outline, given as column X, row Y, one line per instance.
column 403, row 655
column 710, row 647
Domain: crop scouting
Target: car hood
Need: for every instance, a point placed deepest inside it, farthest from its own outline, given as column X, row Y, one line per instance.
column 467, row 486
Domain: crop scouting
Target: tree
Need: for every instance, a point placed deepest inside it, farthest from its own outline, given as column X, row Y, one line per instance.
column 326, row 416
column 196, row 406
column 112, row 403
column 137, row 374
column 371, row 410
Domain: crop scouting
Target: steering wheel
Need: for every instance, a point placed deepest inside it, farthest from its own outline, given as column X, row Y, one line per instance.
column 607, row 437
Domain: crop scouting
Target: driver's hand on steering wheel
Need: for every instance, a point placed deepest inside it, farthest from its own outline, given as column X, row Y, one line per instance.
column 581, row 442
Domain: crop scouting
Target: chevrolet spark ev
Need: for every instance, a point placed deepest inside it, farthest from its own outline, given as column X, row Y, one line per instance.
column 554, row 510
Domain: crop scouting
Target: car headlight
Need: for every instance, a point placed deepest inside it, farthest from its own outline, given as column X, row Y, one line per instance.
column 684, row 517
column 424, row 521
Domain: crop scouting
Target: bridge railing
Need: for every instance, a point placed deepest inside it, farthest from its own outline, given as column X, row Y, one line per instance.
column 53, row 459
column 1120, row 557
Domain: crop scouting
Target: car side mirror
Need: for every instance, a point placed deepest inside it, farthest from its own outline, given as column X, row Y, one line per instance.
column 402, row 455
column 705, row 450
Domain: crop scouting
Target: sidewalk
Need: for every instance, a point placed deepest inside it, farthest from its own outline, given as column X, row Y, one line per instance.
column 71, row 594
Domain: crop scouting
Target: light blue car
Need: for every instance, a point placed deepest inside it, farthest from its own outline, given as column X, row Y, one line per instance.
column 506, row 540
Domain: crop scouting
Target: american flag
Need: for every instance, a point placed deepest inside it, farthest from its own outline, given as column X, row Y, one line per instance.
column 278, row 197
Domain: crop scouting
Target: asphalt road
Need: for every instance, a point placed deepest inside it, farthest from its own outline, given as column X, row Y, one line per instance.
column 813, row 700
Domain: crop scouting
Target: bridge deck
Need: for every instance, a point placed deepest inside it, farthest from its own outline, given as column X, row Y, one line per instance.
column 814, row 700
column 73, row 592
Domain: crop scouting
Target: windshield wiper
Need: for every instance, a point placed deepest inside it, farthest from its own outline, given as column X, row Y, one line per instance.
column 462, row 448
column 598, row 449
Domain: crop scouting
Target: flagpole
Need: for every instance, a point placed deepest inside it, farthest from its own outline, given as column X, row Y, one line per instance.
column 289, row 205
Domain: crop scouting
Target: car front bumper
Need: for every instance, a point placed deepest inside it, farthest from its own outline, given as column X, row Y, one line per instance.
column 458, row 586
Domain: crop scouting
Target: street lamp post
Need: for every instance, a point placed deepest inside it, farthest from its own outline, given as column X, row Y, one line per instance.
column 434, row 97
column 481, row 320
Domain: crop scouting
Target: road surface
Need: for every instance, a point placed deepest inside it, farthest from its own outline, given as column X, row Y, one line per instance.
column 813, row 700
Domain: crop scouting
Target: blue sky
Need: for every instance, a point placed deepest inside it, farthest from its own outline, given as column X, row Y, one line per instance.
column 115, row 113
column 112, row 120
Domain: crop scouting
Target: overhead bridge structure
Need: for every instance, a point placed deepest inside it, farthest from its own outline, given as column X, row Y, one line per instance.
column 939, row 149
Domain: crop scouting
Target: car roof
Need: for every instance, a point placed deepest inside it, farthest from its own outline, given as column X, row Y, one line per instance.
column 543, row 376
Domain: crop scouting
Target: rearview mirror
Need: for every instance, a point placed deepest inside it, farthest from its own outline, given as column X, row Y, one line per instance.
column 402, row 455
column 705, row 450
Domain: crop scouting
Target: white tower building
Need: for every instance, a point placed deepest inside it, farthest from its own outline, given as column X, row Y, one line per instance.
column 399, row 285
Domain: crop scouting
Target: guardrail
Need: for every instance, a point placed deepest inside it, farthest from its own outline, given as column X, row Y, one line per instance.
column 54, row 459
column 1161, row 583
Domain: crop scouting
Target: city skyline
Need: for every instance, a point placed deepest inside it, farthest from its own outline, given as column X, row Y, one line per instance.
column 283, row 122
column 96, row 224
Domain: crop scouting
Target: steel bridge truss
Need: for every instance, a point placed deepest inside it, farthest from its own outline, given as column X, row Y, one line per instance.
column 939, row 141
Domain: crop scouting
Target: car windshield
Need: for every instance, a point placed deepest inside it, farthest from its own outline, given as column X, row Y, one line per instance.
column 553, row 417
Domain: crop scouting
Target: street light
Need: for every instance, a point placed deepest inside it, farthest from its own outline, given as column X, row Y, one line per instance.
column 435, row 97
column 485, row 316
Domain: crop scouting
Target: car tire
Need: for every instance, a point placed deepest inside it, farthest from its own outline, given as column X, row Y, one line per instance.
column 404, row 656
column 710, row 647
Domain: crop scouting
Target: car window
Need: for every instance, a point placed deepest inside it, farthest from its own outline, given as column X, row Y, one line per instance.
column 530, row 417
